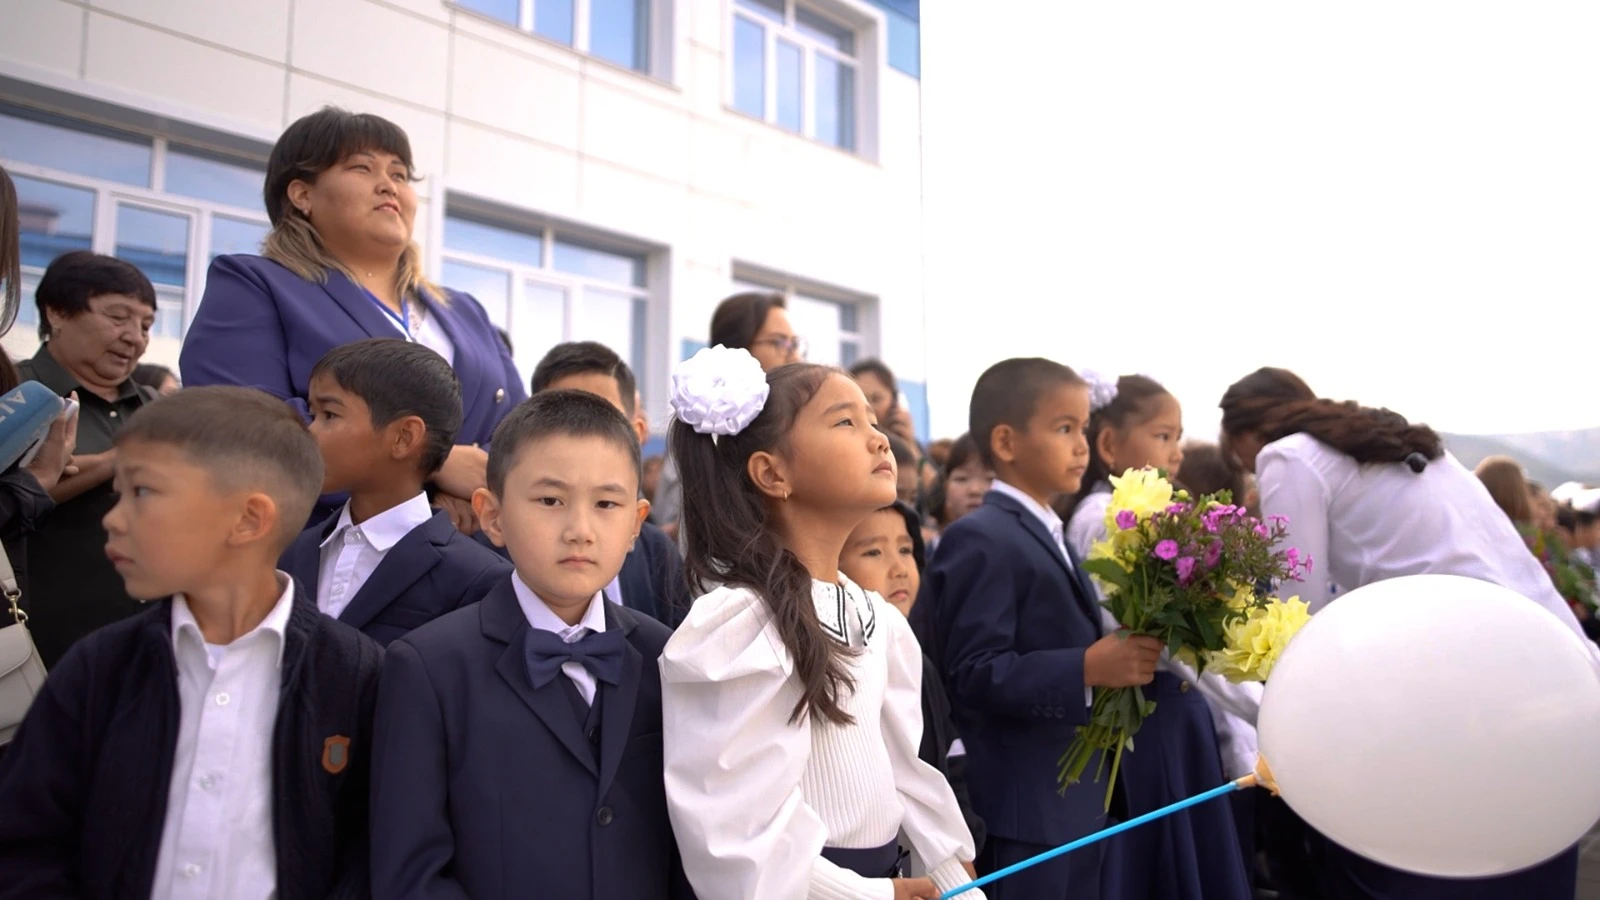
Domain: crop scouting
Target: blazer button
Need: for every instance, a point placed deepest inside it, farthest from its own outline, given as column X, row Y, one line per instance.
column 500, row 395
column 594, row 736
column 604, row 816
column 1183, row 687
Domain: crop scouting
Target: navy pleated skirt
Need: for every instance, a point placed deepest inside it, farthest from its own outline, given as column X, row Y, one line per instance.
column 1191, row 855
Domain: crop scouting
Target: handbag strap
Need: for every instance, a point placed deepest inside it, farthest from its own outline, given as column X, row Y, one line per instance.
column 8, row 584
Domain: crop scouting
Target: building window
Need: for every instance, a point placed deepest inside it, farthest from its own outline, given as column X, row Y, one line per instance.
column 544, row 287
column 165, row 207
column 831, row 327
column 796, row 68
column 617, row 31
column 903, row 19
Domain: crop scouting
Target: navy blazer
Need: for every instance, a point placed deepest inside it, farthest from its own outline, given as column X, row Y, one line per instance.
column 1006, row 619
column 652, row 578
column 260, row 325
column 433, row 570
column 83, row 790
column 484, row 787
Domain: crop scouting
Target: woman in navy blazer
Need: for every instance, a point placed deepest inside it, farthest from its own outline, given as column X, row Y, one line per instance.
column 340, row 266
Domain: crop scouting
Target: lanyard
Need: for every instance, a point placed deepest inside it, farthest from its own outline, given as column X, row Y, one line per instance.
column 401, row 321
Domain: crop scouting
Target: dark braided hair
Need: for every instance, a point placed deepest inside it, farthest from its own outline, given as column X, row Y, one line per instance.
column 1275, row 403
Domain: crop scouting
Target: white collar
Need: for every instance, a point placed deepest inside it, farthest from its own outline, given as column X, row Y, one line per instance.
column 542, row 617
column 184, row 626
column 1046, row 515
column 385, row 529
column 835, row 600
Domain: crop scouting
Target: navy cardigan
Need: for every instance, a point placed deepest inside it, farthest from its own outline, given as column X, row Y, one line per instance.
column 83, row 789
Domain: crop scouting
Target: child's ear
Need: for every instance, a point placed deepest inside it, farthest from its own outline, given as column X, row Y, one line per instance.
column 487, row 508
column 1103, row 443
column 407, row 436
column 1003, row 443
column 641, row 430
column 643, row 512
column 769, row 474
column 258, row 518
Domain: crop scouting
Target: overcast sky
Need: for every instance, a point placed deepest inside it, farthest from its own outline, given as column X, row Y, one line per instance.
column 1400, row 201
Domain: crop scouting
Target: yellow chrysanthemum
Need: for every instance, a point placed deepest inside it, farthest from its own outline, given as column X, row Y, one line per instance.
column 1142, row 492
column 1243, row 597
column 1254, row 643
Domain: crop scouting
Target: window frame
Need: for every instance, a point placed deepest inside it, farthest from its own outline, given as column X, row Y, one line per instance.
column 574, row 286
column 857, row 62
column 657, row 48
column 863, row 339
column 110, row 195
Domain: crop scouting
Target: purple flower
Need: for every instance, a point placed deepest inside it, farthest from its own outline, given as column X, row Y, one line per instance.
column 1278, row 520
column 1178, row 509
column 1185, row 566
column 1261, row 531
column 1166, row 549
column 1126, row 520
column 1213, row 554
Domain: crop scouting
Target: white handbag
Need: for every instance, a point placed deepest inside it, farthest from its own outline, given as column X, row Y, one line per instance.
column 21, row 669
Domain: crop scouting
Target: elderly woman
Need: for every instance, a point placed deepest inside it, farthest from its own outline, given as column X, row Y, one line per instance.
column 340, row 266
column 95, row 315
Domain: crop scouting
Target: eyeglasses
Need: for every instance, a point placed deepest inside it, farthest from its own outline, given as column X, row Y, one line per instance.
column 786, row 345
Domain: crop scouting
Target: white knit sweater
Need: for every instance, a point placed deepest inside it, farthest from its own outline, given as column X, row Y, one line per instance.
column 754, row 799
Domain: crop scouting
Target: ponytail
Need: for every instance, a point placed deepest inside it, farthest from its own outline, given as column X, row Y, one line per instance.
column 729, row 540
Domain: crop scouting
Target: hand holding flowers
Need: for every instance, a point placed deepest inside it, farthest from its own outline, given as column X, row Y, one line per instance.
column 1178, row 573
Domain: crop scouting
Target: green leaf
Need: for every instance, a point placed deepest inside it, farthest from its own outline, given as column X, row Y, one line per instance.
column 1108, row 571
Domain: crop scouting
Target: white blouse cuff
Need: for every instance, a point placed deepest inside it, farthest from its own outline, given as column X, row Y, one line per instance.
column 831, row 882
column 951, row 875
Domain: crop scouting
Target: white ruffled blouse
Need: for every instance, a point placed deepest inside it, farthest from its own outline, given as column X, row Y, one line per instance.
column 754, row 799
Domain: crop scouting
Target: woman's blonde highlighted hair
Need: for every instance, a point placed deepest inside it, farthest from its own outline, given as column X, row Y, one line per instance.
column 309, row 147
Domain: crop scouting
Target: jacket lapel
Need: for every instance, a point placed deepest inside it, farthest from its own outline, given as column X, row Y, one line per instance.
column 412, row 557
column 353, row 299
column 503, row 621
column 616, row 711
column 1031, row 524
column 305, row 557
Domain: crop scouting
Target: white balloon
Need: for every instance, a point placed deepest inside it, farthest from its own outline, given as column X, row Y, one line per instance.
column 1437, row 724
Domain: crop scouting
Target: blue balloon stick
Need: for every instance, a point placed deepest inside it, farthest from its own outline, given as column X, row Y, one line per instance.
column 1196, row 800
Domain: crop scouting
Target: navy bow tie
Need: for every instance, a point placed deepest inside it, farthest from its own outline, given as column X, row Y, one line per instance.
column 599, row 652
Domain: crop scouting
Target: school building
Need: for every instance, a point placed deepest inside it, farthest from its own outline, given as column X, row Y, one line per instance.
column 592, row 169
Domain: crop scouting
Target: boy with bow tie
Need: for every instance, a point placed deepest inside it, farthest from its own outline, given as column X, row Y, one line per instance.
column 519, row 739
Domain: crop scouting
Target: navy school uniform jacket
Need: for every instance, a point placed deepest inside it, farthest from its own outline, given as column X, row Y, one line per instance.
column 1006, row 621
column 433, row 570
column 484, row 787
column 83, row 789
column 652, row 578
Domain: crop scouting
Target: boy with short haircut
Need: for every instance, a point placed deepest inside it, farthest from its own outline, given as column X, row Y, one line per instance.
column 520, row 738
column 384, row 414
column 652, row 579
column 217, row 743
column 1008, row 615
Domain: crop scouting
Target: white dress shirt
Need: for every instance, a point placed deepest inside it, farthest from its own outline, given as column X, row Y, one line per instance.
column 423, row 328
column 217, row 838
column 1233, row 707
column 1058, row 532
column 754, row 798
column 544, row 618
column 613, row 591
column 1363, row 524
column 351, row 552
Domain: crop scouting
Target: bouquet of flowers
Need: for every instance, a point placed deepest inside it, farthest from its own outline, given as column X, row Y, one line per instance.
column 1574, row 580
column 1184, row 570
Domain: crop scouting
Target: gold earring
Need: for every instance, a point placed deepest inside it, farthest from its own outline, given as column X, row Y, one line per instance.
column 786, row 496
